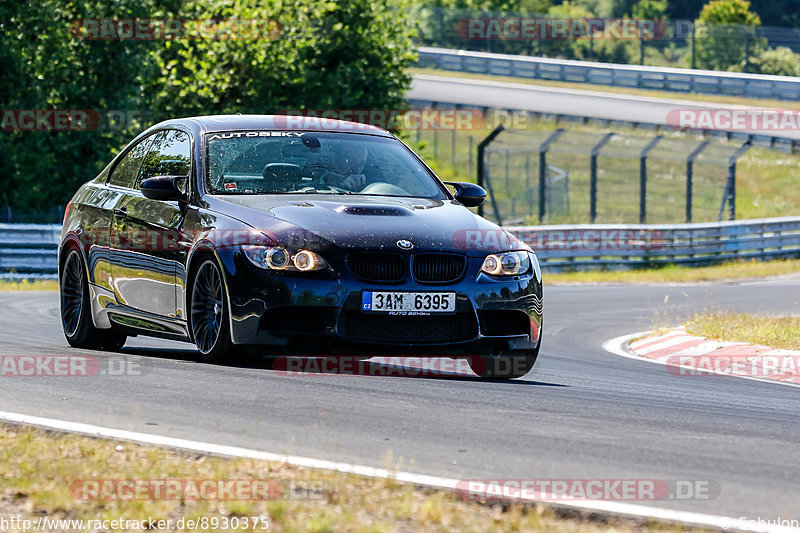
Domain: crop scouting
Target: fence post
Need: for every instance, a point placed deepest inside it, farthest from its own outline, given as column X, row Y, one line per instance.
column 643, row 177
column 731, row 185
column 481, row 155
column 453, row 148
column 528, row 182
column 694, row 61
column 469, row 165
column 641, row 50
column 441, row 25
column 543, row 171
column 487, row 40
column 746, row 52
column 593, row 176
column 689, row 171
column 508, row 157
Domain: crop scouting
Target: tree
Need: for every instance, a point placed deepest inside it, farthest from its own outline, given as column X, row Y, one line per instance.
column 725, row 35
column 46, row 68
column 650, row 9
column 728, row 12
column 336, row 54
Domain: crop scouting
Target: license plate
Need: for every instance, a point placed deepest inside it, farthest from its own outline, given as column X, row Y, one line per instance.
column 408, row 302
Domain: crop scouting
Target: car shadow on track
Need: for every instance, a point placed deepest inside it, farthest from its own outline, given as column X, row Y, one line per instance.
column 416, row 367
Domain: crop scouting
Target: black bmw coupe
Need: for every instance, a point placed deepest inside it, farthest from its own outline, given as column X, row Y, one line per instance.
column 269, row 235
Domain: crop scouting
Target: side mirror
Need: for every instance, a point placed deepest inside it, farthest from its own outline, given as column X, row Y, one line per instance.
column 163, row 188
column 468, row 194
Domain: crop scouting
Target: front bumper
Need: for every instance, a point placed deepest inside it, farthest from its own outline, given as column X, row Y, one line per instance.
column 319, row 313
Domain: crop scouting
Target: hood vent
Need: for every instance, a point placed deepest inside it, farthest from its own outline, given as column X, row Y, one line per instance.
column 375, row 210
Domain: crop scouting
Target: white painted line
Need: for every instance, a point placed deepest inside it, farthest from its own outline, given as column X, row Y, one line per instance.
column 615, row 508
column 617, row 345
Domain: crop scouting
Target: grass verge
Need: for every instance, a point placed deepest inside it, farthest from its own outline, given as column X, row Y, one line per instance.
column 735, row 270
column 39, row 469
column 782, row 332
column 26, row 285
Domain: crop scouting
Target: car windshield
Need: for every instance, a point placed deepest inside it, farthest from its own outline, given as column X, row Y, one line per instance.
column 291, row 162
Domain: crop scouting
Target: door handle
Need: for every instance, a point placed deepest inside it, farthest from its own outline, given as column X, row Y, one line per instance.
column 121, row 212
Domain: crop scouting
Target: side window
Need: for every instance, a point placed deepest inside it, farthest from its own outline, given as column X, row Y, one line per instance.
column 169, row 155
column 124, row 174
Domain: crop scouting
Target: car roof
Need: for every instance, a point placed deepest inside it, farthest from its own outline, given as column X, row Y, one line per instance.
column 217, row 123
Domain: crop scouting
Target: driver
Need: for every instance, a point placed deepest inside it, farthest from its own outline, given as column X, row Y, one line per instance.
column 353, row 158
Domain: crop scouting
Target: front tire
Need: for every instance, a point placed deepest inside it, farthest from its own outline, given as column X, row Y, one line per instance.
column 209, row 314
column 76, row 310
column 504, row 365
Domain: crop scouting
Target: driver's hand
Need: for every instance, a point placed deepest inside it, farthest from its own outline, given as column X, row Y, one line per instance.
column 354, row 182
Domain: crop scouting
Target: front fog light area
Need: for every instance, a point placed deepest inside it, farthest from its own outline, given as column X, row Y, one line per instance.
column 279, row 258
column 507, row 264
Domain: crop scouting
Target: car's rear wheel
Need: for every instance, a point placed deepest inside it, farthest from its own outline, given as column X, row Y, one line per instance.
column 209, row 314
column 76, row 312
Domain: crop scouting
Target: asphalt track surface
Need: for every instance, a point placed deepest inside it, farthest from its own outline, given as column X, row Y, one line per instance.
column 554, row 100
column 582, row 413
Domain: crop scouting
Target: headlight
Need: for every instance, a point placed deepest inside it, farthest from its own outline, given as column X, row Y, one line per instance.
column 507, row 264
column 278, row 258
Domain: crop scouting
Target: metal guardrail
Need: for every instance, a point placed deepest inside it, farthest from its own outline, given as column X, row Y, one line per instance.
column 628, row 246
column 29, row 251
column 613, row 74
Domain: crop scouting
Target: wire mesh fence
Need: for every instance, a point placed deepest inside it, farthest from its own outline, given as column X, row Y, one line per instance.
column 553, row 174
column 674, row 43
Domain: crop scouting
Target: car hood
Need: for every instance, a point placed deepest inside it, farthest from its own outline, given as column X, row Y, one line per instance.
column 373, row 222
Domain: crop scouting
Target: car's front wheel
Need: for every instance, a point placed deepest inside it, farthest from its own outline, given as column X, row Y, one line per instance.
column 209, row 314
column 76, row 313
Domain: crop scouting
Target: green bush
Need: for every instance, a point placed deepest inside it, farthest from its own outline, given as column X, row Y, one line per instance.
column 779, row 61
column 333, row 54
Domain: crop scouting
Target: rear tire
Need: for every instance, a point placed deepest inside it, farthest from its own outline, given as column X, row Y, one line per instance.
column 76, row 310
column 209, row 315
